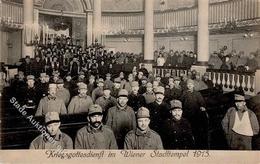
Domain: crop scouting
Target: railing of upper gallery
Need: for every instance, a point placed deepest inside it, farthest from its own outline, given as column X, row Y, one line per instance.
column 11, row 15
column 229, row 80
column 241, row 11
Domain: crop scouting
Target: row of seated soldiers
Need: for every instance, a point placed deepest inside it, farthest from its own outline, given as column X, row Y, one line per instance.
column 70, row 96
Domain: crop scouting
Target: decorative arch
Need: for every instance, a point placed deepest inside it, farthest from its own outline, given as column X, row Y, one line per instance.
column 65, row 5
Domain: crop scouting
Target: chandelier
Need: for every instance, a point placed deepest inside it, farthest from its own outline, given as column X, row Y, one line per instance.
column 59, row 23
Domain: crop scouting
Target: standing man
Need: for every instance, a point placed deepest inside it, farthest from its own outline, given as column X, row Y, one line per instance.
column 176, row 131
column 159, row 110
column 121, row 118
column 51, row 103
column 195, row 112
column 143, row 137
column 54, row 138
column 240, row 125
column 95, row 135
column 135, row 100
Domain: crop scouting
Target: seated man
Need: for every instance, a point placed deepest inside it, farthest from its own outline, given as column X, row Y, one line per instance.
column 176, row 131
column 143, row 137
column 95, row 135
column 51, row 103
column 81, row 102
column 54, row 138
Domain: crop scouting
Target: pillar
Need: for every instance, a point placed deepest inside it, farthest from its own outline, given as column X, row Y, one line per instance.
column 97, row 24
column 203, row 32
column 28, row 35
column 202, row 37
column 89, row 25
column 148, row 34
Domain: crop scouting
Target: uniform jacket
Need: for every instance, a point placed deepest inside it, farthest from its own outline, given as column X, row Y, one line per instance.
column 61, row 139
column 135, row 139
column 48, row 104
column 89, row 138
column 121, row 120
column 64, row 94
column 177, row 134
column 79, row 104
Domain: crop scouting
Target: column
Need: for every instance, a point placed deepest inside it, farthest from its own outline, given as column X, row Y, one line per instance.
column 202, row 37
column 203, row 32
column 97, row 24
column 148, row 34
column 27, row 48
column 89, row 25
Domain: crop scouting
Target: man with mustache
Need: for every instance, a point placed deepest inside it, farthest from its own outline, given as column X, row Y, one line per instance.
column 176, row 131
column 95, row 135
column 158, row 109
column 143, row 137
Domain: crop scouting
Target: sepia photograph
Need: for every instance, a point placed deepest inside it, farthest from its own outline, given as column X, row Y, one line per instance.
column 113, row 81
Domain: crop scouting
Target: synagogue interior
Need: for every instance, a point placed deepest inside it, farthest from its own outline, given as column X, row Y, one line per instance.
column 190, row 67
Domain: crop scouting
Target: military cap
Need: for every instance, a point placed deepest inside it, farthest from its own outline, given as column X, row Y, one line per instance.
column 190, row 81
column 144, row 78
column 106, row 87
column 81, row 73
column 117, row 80
column 92, row 77
column 108, row 75
column 159, row 90
column 149, row 85
column 52, row 85
column 175, row 104
column 143, row 113
column 123, row 93
column 134, row 84
column 60, row 81
column 30, row 77
column 82, row 86
column 55, row 73
column 95, row 109
column 51, row 117
column 100, row 80
column 177, row 78
column 239, row 98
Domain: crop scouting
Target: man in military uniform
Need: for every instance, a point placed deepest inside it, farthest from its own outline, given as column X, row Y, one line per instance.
column 81, row 102
column 121, row 118
column 98, row 92
column 106, row 101
column 195, row 113
column 143, row 137
column 159, row 110
column 135, row 100
column 240, row 124
column 54, row 138
column 108, row 82
column 63, row 93
column 149, row 95
column 176, row 131
column 95, row 135
column 51, row 103
column 116, row 87
column 28, row 95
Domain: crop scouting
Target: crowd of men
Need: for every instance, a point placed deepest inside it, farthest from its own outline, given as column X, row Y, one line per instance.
column 125, row 111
